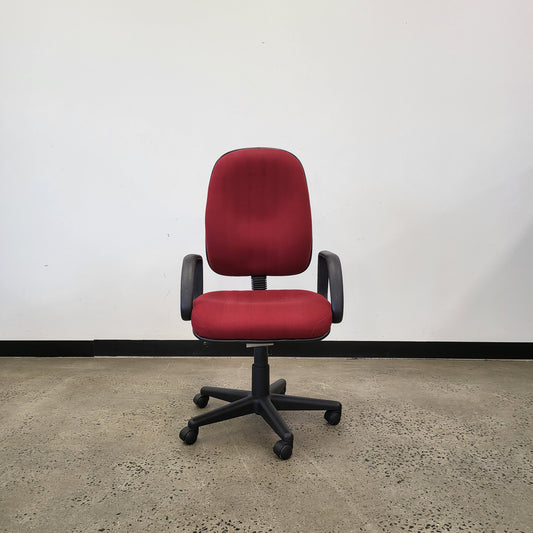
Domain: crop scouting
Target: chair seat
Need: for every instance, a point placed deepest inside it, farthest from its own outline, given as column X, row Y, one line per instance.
column 261, row 315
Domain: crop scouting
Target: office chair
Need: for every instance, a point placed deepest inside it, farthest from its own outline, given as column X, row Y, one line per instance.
column 258, row 224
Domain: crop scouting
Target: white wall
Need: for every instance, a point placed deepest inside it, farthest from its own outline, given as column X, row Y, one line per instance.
column 413, row 119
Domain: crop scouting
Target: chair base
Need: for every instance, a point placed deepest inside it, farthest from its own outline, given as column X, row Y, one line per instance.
column 264, row 400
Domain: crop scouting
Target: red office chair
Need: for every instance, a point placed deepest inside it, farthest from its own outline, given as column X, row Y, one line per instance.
column 258, row 224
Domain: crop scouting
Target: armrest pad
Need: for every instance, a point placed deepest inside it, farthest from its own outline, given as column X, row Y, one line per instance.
column 330, row 274
column 192, row 283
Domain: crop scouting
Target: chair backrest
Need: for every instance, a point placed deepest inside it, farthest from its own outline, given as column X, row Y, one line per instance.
column 258, row 216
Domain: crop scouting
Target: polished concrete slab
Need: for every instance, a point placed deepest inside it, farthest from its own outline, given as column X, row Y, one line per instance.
column 424, row 445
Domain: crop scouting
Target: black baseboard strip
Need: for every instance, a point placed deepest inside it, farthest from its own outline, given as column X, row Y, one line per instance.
column 196, row 348
column 46, row 349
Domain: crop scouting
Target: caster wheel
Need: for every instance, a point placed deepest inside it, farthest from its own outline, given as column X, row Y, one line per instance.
column 278, row 387
column 332, row 417
column 188, row 435
column 282, row 450
column 200, row 400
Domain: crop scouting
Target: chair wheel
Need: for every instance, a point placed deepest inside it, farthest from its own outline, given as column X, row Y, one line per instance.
column 282, row 450
column 332, row 417
column 188, row 435
column 278, row 387
column 200, row 400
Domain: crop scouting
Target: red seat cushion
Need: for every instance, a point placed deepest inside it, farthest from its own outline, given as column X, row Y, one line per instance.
column 261, row 315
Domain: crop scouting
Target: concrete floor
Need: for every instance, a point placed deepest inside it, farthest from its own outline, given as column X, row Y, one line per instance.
column 424, row 445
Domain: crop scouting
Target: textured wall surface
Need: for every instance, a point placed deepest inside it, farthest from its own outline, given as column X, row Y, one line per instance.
column 414, row 122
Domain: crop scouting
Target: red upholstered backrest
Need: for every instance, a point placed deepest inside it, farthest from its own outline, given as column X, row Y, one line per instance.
column 258, row 217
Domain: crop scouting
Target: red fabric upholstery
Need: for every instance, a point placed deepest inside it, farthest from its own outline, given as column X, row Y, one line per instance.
column 258, row 217
column 261, row 315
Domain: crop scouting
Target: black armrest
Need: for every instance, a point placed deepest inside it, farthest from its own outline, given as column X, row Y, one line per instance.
column 192, row 283
column 330, row 273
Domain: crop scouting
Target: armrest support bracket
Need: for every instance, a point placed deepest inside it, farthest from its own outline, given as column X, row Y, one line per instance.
column 330, row 274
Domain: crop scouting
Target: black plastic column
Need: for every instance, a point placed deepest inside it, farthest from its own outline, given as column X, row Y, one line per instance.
column 260, row 373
